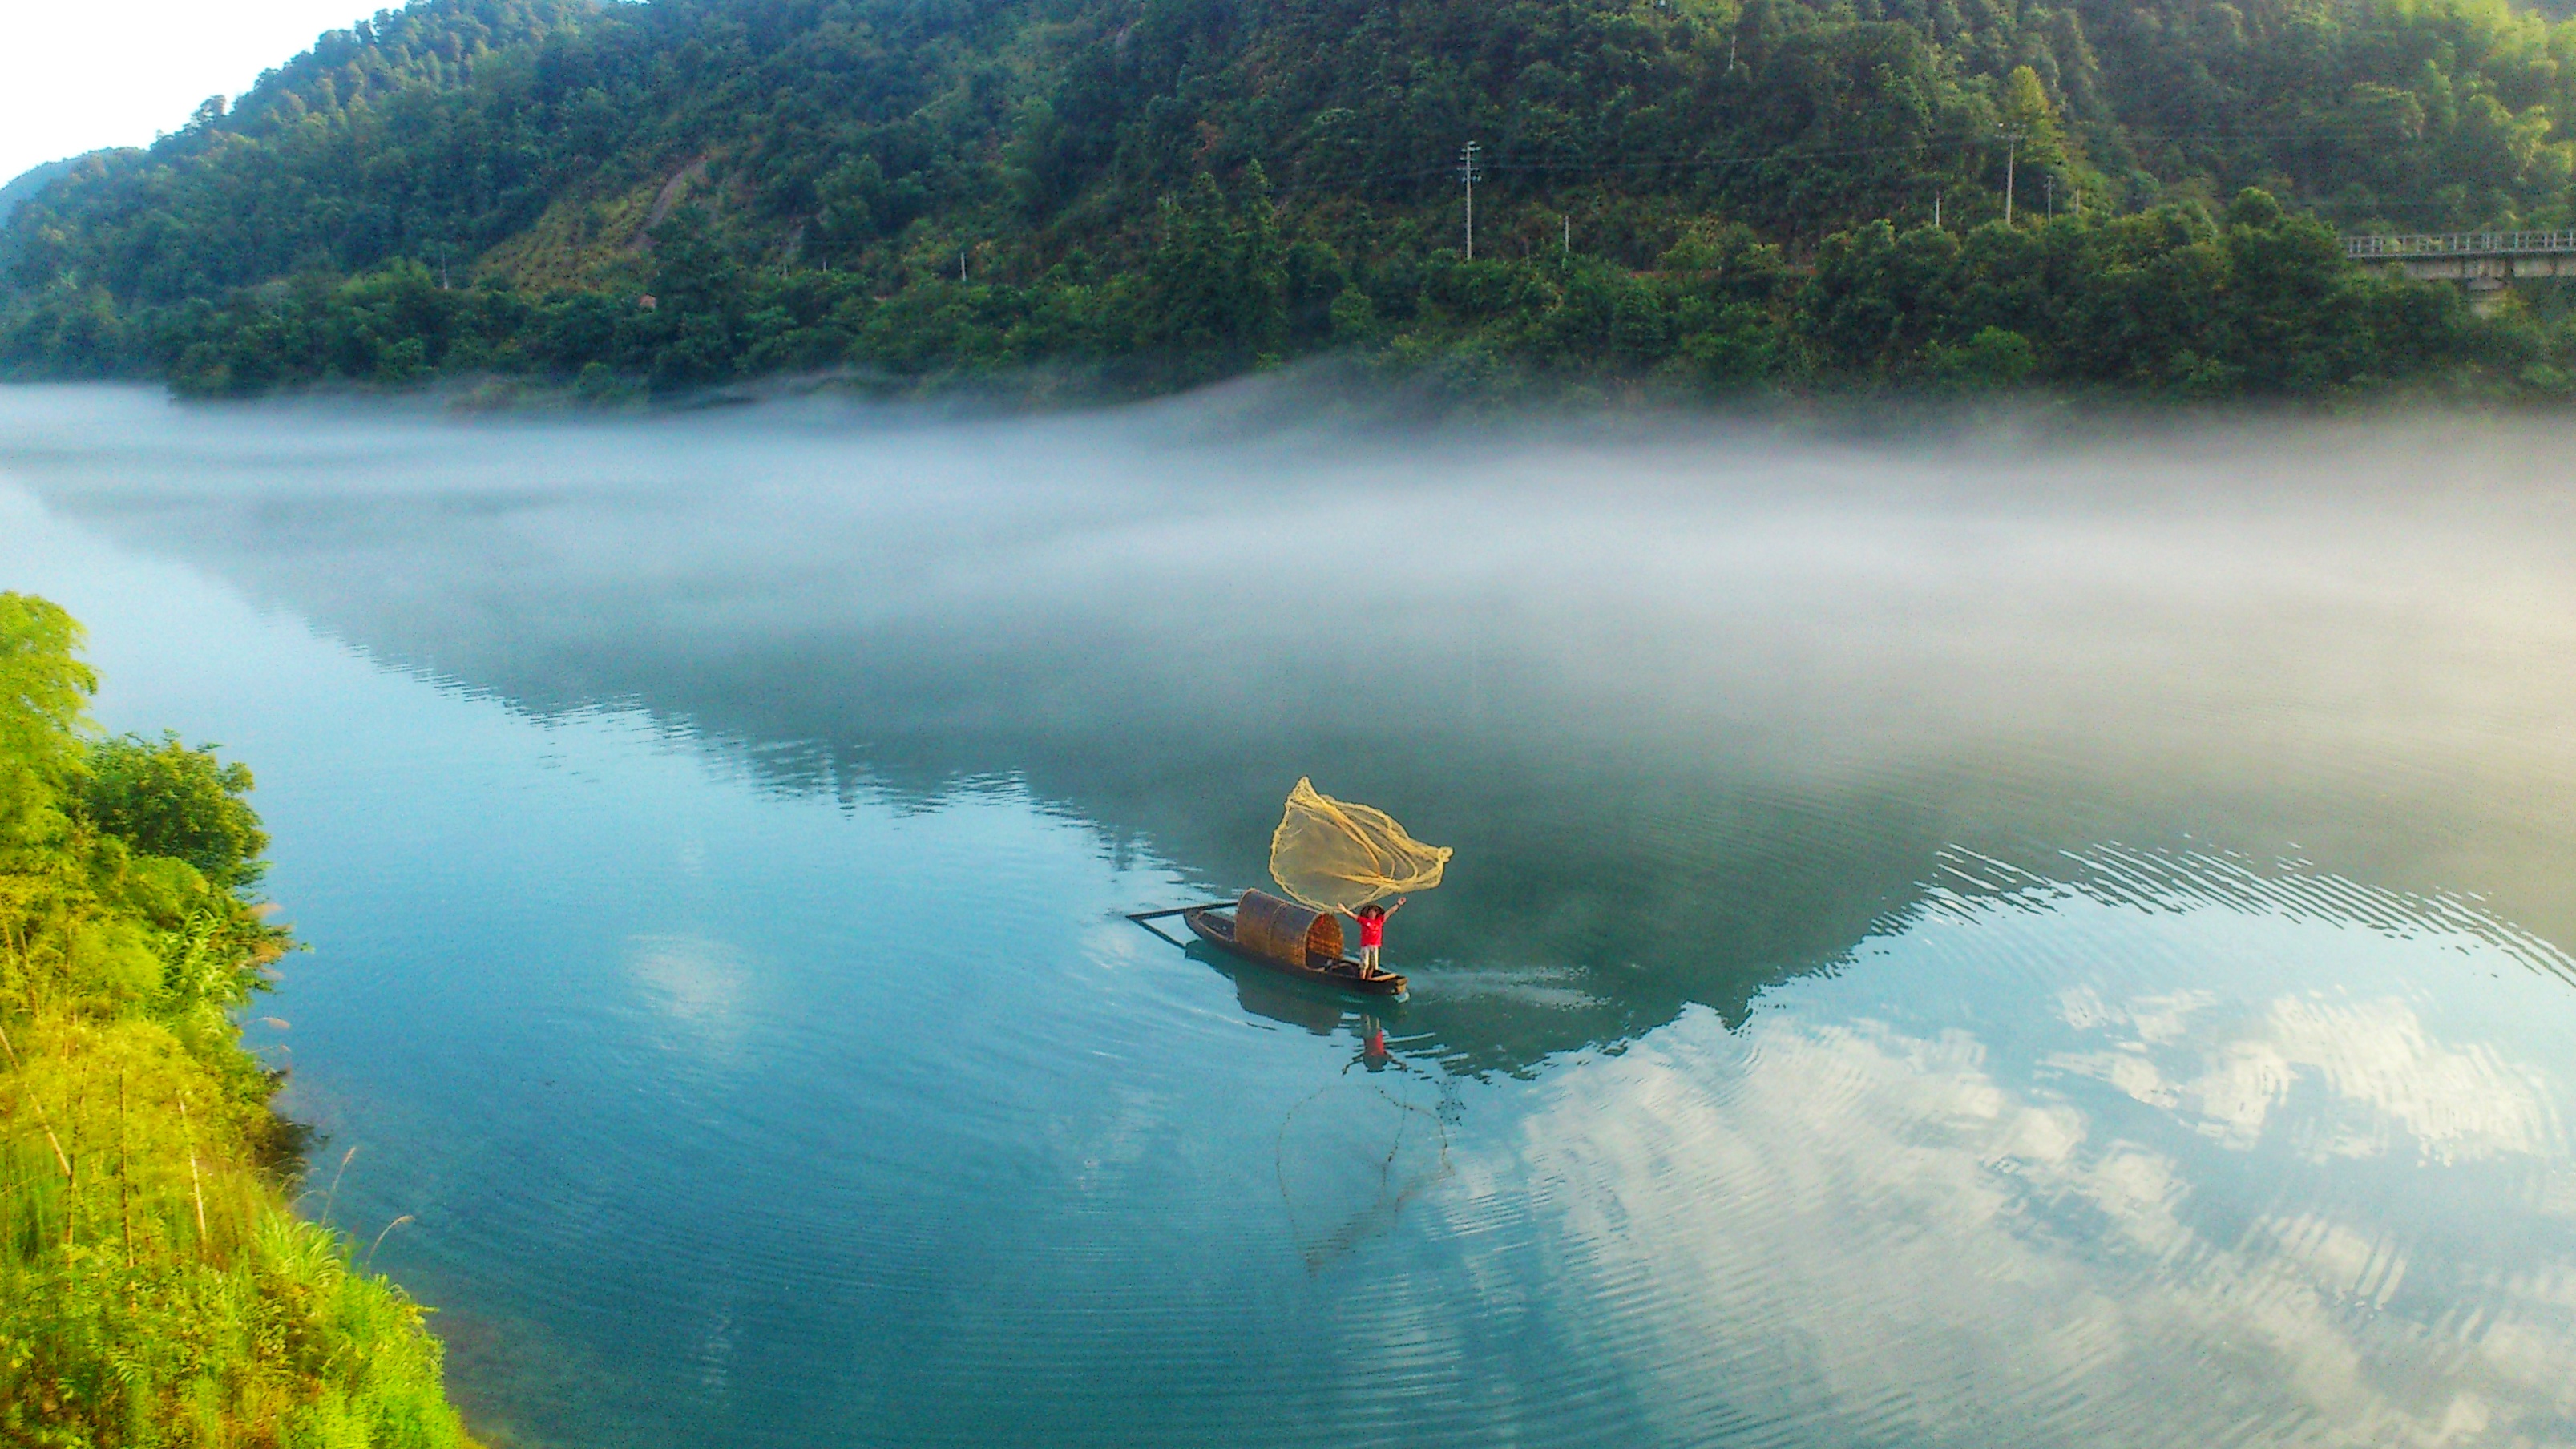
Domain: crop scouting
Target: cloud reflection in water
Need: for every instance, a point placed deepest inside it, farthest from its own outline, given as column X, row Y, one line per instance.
column 2150, row 1145
column 2249, row 1182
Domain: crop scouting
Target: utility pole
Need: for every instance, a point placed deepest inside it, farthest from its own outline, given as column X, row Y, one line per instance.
column 961, row 264
column 1936, row 208
column 1569, row 234
column 1467, row 174
column 2012, row 153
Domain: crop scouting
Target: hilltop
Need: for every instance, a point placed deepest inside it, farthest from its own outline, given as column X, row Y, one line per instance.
column 28, row 183
column 1147, row 193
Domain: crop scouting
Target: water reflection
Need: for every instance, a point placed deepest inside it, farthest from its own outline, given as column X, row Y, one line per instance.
column 2249, row 1174
column 1709, row 701
column 1355, row 1151
column 2034, row 941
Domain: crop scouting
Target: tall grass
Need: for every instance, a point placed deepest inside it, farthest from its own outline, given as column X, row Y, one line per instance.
column 155, row 1287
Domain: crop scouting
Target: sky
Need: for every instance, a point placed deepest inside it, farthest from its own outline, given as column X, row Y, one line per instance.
column 71, row 82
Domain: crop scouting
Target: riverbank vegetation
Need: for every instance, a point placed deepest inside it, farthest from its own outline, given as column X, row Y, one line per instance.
column 155, row 1289
column 1718, row 195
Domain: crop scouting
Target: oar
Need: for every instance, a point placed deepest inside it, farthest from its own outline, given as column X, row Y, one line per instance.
column 1140, row 917
column 1147, row 919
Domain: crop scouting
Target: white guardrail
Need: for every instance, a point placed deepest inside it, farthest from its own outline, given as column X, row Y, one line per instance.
column 2462, row 244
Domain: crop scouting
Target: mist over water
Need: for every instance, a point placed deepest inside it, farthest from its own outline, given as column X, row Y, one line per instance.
column 2016, row 932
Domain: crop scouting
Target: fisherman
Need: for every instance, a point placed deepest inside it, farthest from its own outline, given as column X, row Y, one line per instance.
column 1372, row 919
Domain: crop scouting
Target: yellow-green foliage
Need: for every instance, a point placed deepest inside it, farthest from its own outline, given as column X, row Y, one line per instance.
column 154, row 1287
column 578, row 243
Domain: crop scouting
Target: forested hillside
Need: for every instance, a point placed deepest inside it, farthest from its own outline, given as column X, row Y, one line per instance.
column 1151, row 192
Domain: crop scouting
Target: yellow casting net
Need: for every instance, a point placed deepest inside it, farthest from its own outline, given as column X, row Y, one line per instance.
column 1336, row 856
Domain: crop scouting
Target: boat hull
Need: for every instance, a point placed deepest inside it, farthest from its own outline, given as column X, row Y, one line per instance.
column 1341, row 972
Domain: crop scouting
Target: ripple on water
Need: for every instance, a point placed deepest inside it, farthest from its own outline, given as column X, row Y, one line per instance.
column 871, row 1125
column 2266, row 1157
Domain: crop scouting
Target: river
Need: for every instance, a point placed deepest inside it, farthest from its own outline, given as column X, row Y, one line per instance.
column 2008, row 931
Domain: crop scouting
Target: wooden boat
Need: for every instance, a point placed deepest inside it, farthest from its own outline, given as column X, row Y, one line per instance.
column 1288, row 937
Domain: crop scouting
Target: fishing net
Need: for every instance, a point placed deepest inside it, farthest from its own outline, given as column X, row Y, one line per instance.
column 1335, row 856
column 1351, row 1156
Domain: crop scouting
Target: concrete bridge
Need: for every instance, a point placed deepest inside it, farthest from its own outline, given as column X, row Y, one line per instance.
column 2485, row 262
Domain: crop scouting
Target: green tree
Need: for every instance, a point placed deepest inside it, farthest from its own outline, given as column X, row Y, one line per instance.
column 156, row 1291
column 2031, row 120
column 1217, row 282
column 43, row 690
column 163, row 798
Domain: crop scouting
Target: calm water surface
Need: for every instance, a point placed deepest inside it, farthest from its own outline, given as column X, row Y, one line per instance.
column 1990, row 938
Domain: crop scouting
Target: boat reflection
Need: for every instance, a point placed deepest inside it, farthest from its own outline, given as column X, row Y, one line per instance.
column 1790, row 1060
column 1306, row 1005
column 2161, row 1155
column 1702, row 729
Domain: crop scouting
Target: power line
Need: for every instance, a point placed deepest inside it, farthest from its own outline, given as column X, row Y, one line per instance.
column 1791, row 152
column 1472, row 166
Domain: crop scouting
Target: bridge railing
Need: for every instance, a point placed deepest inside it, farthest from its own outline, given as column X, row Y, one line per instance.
column 2461, row 244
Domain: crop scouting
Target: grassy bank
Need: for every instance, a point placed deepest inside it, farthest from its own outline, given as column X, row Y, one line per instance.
column 155, row 1288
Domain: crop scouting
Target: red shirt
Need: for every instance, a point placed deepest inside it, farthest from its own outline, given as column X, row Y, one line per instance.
column 1373, row 929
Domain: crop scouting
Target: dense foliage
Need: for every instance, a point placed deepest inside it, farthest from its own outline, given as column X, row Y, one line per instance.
column 154, row 1288
column 1157, row 191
